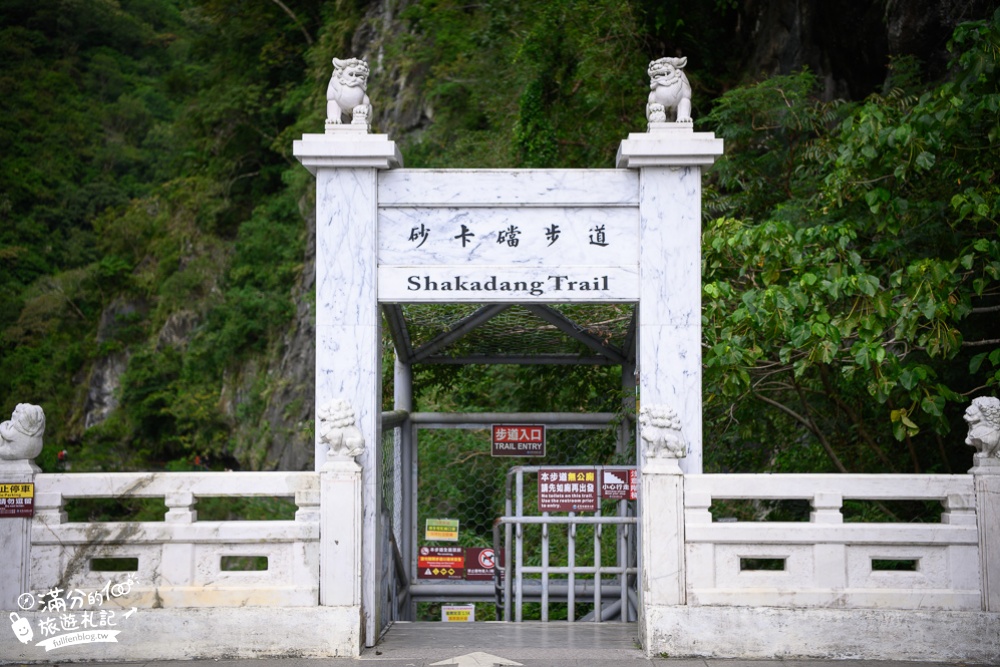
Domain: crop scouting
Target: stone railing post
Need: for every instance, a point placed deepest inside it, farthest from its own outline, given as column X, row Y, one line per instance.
column 341, row 512
column 20, row 442
column 340, row 534
column 661, row 495
column 983, row 417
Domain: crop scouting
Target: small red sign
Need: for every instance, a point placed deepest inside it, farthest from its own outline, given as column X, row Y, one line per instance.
column 518, row 440
column 567, row 490
column 618, row 484
column 441, row 563
column 479, row 563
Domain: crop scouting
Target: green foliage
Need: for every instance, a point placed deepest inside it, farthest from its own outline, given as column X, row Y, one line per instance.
column 150, row 215
column 526, row 84
column 851, row 283
column 140, row 177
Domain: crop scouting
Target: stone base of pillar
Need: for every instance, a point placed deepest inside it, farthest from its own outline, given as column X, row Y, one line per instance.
column 15, row 538
column 986, row 474
column 663, row 574
column 767, row 633
column 340, row 534
column 206, row 634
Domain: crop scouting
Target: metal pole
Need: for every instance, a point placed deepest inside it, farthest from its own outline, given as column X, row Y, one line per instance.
column 545, row 569
column 571, row 558
column 519, row 547
column 597, row 568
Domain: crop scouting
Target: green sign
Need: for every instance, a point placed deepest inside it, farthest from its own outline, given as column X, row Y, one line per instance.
column 442, row 530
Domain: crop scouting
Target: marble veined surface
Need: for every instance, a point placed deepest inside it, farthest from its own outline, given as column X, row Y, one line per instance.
column 549, row 236
column 507, row 187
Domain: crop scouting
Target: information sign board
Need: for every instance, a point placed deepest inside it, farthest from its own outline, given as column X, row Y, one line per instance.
column 619, row 484
column 567, row 490
column 518, row 440
column 458, row 613
column 440, row 563
column 479, row 563
column 17, row 500
column 442, row 530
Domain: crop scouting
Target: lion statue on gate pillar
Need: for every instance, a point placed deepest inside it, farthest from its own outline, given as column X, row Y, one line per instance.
column 337, row 430
column 660, row 429
column 670, row 92
column 21, row 435
column 346, row 92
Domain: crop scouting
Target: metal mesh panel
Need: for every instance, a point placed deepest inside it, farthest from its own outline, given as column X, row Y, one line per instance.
column 389, row 510
column 516, row 331
column 391, row 482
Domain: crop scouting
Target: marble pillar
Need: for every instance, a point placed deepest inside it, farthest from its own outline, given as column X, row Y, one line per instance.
column 348, row 353
column 669, row 158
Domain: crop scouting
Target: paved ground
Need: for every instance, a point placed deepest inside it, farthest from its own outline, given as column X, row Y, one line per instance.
column 530, row 645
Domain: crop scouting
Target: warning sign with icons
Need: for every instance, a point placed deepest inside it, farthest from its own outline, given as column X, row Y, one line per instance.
column 619, row 484
column 479, row 562
column 441, row 563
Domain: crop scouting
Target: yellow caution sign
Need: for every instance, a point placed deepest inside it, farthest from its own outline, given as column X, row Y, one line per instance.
column 458, row 613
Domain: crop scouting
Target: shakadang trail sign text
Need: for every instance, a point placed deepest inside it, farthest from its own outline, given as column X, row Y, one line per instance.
column 533, row 252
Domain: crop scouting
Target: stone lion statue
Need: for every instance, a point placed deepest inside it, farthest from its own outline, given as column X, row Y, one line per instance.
column 21, row 435
column 670, row 92
column 338, row 432
column 983, row 418
column 660, row 429
column 346, row 92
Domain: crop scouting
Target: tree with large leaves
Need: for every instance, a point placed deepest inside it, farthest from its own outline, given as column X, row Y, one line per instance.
column 852, row 269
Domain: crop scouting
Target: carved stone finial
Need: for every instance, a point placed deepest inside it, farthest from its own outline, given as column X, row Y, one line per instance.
column 346, row 94
column 660, row 429
column 983, row 418
column 21, row 435
column 670, row 92
column 338, row 432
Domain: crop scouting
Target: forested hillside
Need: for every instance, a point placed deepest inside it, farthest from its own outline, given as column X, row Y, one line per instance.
column 155, row 232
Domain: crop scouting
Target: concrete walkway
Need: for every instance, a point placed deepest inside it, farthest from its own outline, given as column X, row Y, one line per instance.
column 527, row 644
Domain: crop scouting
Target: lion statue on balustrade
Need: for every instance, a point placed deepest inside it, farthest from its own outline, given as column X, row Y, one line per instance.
column 21, row 435
column 346, row 92
column 670, row 92
column 983, row 418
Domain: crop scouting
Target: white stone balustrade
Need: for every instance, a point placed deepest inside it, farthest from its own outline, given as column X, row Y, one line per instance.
column 829, row 563
column 179, row 558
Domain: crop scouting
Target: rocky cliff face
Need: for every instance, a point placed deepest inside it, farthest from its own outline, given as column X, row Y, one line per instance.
column 848, row 44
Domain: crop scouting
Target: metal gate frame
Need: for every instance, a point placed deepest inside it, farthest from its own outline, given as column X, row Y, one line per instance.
column 410, row 590
column 513, row 583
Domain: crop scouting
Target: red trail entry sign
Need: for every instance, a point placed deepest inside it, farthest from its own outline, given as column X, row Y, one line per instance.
column 518, row 440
